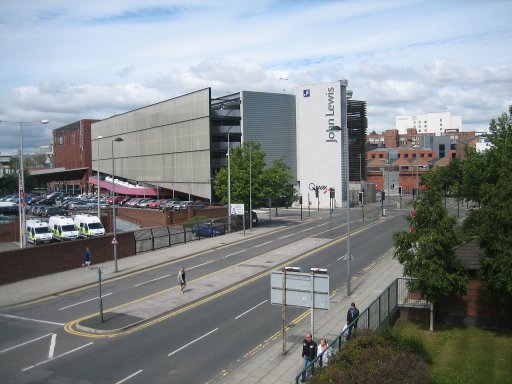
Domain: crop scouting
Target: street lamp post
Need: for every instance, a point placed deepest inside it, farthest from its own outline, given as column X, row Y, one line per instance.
column 98, row 181
column 21, row 193
column 250, row 190
column 345, row 159
column 361, row 184
column 229, row 185
column 283, row 80
column 114, row 240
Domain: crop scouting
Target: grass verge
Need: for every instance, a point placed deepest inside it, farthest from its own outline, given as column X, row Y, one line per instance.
column 464, row 355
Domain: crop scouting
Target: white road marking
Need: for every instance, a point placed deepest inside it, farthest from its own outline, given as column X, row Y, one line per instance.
column 150, row 281
column 25, row 343
column 129, row 377
column 52, row 346
column 200, row 265
column 85, row 301
column 262, row 244
column 250, row 309
column 56, row 357
column 234, row 253
column 26, row 318
column 193, row 341
column 284, row 237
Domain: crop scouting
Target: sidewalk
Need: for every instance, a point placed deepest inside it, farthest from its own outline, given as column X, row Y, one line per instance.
column 267, row 365
column 46, row 286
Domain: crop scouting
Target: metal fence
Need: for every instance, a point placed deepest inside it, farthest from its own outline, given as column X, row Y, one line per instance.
column 381, row 311
column 151, row 239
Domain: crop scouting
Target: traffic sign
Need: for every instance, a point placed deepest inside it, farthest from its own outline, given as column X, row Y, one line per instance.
column 237, row 209
column 114, row 241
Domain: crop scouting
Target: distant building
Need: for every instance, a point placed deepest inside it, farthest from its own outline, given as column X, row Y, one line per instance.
column 72, row 150
column 436, row 123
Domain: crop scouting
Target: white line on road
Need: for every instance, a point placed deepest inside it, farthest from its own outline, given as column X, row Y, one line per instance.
column 193, row 341
column 25, row 343
column 284, row 237
column 262, row 244
column 200, row 265
column 129, row 377
column 250, row 309
column 26, row 318
column 150, row 281
column 234, row 253
column 52, row 346
column 56, row 357
column 83, row 302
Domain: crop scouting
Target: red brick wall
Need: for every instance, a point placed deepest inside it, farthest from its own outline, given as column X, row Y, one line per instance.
column 474, row 309
column 21, row 264
column 9, row 232
column 157, row 218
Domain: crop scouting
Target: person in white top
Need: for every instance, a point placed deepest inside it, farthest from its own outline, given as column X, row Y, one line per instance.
column 326, row 351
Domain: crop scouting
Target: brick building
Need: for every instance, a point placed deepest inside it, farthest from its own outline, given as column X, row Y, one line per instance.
column 72, row 150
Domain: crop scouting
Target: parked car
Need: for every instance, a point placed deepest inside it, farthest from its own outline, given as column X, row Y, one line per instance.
column 132, row 202
column 144, row 203
column 154, row 204
column 173, row 205
column 124, row 201
column 206, row 230
column 197, row 206
column 37, row 210
column 53, row 211
column 78, row 206
column 118, row 199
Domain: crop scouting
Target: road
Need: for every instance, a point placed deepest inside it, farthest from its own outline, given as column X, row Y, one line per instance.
column 196, row 345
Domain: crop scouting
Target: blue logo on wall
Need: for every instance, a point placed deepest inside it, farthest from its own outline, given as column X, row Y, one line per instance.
column 306, row 93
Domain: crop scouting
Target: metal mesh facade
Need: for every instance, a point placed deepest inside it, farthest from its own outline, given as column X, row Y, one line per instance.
column 357, row 123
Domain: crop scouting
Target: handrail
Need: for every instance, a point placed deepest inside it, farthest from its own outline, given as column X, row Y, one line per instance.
column 372, row 317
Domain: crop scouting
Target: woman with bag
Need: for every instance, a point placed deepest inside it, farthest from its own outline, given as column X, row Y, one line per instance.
column 324, row 352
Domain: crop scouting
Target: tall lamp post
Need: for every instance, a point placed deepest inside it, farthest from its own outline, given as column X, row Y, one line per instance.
column 114, row 240
column 98, row 181
column 345, row 158
column 21, row 196
column 250, row 190
column 229, row 185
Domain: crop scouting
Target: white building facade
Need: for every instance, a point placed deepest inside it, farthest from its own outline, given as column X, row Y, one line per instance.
column 319, row 150
column 436, row 123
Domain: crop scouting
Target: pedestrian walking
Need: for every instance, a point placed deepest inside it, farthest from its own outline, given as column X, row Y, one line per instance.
column 87, row 258
column 309, row 351
column 352, row 315
column 324, row 353
column 181, row 280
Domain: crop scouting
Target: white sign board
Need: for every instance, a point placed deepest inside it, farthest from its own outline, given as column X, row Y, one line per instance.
column 298, row 289
column 237, row 209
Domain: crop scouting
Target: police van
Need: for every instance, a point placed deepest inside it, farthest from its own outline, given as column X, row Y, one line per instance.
column 38, row 232
column 89, row 226
column 63, row 228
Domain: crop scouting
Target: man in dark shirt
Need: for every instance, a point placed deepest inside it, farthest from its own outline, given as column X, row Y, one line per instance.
column 352, row 314
column 308, row 354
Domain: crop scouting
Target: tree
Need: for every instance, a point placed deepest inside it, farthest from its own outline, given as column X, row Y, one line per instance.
column 10, row 182
column 493, row 222
column 426, row 251
column 248, row 163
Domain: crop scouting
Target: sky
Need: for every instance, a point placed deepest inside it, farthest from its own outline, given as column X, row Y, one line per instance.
column 64, row 61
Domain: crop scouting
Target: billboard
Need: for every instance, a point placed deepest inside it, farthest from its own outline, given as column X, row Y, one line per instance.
column 319, row 108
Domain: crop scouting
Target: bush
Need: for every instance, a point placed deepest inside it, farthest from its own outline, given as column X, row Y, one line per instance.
column 379, row 357
column 195, row 220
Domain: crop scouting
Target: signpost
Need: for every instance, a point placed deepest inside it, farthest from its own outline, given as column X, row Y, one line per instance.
column 290, row 287
column 238, row 209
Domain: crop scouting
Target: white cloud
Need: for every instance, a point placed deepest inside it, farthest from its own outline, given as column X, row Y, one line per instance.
column 65, row 61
